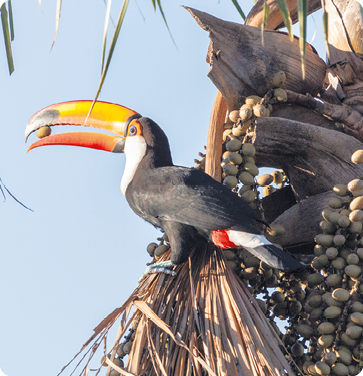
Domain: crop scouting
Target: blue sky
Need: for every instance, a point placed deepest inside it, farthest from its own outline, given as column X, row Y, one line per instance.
column 79, row 255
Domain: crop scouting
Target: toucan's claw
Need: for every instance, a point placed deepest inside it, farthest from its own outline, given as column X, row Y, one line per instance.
column 158, row 268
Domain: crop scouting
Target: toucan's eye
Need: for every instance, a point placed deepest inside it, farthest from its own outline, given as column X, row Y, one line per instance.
column 132, row 130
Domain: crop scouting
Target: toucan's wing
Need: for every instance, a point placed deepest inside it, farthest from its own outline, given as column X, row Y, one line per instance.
column 191, row 197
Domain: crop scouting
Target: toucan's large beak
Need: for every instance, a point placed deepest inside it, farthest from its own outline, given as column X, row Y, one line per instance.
column 107, row 116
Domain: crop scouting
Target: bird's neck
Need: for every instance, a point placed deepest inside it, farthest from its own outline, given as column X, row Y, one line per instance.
column 141, row 158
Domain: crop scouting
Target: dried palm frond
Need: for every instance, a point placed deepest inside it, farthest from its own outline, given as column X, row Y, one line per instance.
column 202, row 322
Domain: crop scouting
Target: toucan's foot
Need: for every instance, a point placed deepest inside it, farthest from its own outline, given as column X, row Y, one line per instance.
column 158, row 268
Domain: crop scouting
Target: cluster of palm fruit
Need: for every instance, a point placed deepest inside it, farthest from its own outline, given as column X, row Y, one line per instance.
column 123, row 348
column 240, row 172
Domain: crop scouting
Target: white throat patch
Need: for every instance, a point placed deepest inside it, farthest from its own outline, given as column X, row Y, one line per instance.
column 135, row 150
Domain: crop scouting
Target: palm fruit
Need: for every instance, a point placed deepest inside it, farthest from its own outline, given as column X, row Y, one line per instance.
column 44, row 131
column 251, row 168
column 339, row 369
column 354, row 331
column 297, row 349
column 353, row 271
column 253, row 99
column 344, row 356
column 246, row 178
column 332, row 312
column 325, row 240
column 229, row 255
column 340, row 189
column 355, row 185
column 226, row 154
column 346, row 340
column 334, row 280
column 260, row 110
column 325, row 340
column 330, row 358
column 245, row 112
column 127, row 347
column 315, row 314
column 278, row 297
column 118, row 362
column 230, row 181
column 278, row 79
column 327, row 227
column 315, row 279
column 334, row 217
column 264, row 179
column 232, row 264
column 356, row 215
column 233, row 145
column 248, row 150
column 352, row 259
column 225, row 134
column 234, row 116
column 277, row 177
column 160, row 250
column 339, row 263
column 120, row 351
column 319, row 250
column 280, row 94
column 280, row 310
column 344, row 221
column 114, row 373
column 339, row 240
column 151, row 249
column 103, row 360
column 249, row 196
column 326, row 212
column 355, row 227
column 238, row 131
column 230, row 170
column 304, row 330
column 314, row 301
column 268, row 190
column 295, row 307
column 356, row 204
column 357, row 307
column 322, row 368
column 340, row 294
column 357, row 157
column 335, row 203
column 331, row 253
column 357, row 318
column 326, row 328
column 234, row 158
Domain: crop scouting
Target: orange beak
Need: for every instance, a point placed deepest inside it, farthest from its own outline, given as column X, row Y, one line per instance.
column 106, row 116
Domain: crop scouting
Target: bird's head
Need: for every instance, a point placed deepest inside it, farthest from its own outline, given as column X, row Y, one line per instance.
column 134, row 135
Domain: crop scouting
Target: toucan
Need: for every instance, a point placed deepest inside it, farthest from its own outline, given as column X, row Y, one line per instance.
column 189, row 205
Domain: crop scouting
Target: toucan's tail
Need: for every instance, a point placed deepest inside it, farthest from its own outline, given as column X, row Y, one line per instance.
column 259, row 246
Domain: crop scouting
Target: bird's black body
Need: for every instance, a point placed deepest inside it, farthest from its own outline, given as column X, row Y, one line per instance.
column 186, row 203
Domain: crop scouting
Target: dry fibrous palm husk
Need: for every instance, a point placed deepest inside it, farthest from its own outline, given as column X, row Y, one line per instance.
column 242, row 66
column 204, row 321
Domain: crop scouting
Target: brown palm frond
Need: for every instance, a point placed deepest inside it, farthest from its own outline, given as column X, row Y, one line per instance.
column 202, row 322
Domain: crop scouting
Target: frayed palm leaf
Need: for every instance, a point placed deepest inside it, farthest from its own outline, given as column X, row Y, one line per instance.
column 202, row 322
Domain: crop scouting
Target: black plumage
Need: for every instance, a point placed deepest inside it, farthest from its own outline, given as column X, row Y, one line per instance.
column 189, row 204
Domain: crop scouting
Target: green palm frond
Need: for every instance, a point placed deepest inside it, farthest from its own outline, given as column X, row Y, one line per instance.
column 111, row 49
column 239, row 9
column 266, row 11
column 286, row 16
column 302, row 15
column 57, row 19
column 8, row 31
column 105, row 30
